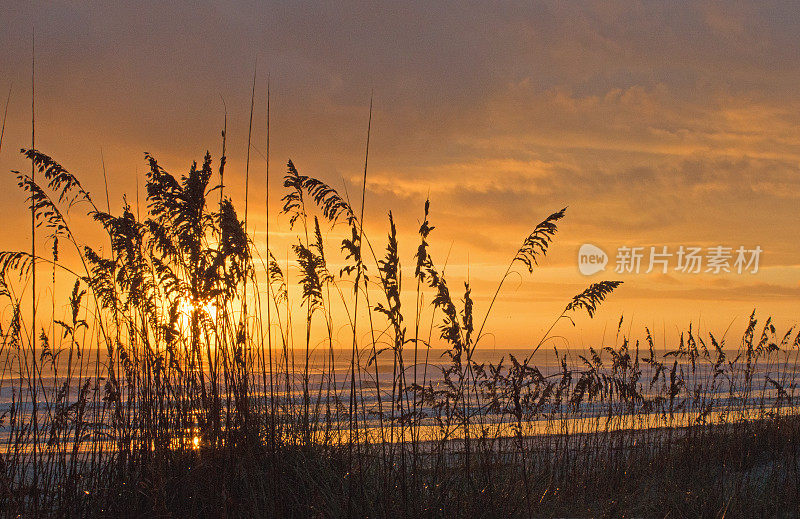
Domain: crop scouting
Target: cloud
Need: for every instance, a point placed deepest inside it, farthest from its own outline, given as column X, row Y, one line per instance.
column 655, row 123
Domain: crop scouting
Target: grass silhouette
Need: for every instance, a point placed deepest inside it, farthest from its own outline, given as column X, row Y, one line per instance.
column 171, row 388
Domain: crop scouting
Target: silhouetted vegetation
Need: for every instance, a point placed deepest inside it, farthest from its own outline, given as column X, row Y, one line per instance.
column 166, row 391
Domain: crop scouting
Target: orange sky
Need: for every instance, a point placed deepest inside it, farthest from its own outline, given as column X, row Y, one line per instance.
column 657, row 124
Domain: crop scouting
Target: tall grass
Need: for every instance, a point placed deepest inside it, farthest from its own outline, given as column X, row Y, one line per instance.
column 159, row 390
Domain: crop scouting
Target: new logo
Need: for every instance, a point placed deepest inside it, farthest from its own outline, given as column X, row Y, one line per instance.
column 591, row 259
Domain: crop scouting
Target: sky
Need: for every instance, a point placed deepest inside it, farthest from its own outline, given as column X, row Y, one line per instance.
column 662, row 124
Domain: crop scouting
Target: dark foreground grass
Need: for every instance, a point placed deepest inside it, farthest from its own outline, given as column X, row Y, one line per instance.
column 182, row 379
column 744, row 470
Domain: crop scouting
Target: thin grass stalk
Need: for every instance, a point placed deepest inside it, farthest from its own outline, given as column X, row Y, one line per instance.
column 5, row 115
column 353, row 433
column 273, row 402
column 244, row 318
column 33, row 282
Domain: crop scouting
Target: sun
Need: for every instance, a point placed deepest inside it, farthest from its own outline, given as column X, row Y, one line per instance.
column 186, row 307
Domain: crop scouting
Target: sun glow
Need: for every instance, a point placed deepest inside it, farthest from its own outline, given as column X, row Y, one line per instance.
column 186, row 308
